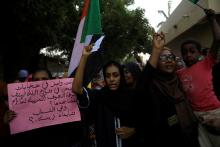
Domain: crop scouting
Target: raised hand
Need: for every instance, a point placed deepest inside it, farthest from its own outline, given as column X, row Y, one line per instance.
column 125, row 132
column 9, row 116
column 87, row 50
column 210, row 13
column 158, row 41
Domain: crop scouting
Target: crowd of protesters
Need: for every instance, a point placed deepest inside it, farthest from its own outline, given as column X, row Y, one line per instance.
column 167, row 102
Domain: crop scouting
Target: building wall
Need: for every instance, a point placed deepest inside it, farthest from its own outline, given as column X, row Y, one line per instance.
column 214, row 4
column 189, row 21
column 184, row 17
column 201, row 33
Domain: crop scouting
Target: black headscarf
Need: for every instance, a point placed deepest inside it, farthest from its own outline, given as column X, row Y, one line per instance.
column 169, row 85
column 118, row 99
column 134, row 69
column 121, row 72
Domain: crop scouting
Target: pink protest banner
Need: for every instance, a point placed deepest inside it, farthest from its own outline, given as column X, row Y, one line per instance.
column 42, row 103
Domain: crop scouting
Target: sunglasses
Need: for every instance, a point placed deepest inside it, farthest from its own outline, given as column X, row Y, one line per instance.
column 165, row 58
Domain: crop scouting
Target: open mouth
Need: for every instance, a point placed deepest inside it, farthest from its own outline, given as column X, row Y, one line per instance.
column 169, row 66
column 113, row 86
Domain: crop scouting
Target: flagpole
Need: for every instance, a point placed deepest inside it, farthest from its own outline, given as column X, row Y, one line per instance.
column 200, row 6
column 196, row 3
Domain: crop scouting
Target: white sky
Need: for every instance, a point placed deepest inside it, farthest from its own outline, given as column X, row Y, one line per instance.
column 151, row 9
column 151, row 12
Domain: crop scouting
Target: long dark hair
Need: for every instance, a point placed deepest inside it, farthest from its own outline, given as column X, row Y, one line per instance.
column 121, row 72
column 134, row 69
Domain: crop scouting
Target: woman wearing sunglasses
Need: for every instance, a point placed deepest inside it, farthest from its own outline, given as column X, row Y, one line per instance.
column 170, row 121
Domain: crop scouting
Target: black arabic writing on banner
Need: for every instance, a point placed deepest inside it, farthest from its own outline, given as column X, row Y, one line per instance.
column 56, row 94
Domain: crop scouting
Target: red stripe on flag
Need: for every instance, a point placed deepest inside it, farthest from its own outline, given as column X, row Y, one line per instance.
column 85, row 8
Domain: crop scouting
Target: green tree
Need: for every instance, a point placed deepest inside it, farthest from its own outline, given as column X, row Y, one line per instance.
column 30, row 25
column 125, row 30
column 34, row 24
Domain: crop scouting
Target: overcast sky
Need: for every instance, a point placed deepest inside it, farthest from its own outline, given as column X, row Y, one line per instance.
column 151, row 9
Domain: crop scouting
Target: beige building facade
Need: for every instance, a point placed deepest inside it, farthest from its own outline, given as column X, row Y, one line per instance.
column 189, row 21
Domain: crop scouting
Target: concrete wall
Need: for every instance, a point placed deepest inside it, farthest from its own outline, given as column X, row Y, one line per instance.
column 201, row 33
column 189, row 21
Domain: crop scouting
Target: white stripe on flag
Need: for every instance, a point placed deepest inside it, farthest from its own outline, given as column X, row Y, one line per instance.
column 78, row 47
column 88, row 40
column 97, row 44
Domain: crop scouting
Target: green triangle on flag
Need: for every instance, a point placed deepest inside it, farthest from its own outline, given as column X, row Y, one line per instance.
column 194, row 1
column 89, row 27
column 93, row 20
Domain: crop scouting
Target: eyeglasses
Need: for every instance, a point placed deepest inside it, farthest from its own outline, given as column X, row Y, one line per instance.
column 40, row 79
column 165, row 58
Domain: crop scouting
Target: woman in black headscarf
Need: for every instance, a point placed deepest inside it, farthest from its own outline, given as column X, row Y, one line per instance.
column 132, row 73
column 110, row 108
column 170, row 121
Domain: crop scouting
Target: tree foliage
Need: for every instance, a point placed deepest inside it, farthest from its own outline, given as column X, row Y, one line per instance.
column 31, row 25
column 125, row 30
